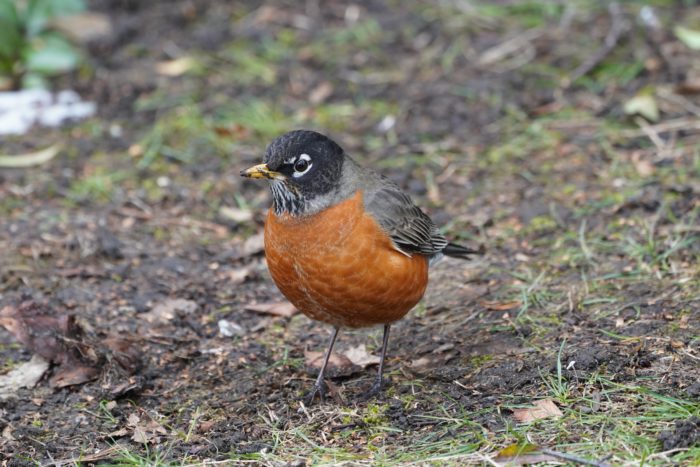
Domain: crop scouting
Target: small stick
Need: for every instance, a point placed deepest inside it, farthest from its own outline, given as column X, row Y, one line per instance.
column 572, row 458
column 617, row 28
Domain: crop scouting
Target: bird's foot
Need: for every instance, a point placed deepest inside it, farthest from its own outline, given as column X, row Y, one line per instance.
column 318, row 388
column 376, row 388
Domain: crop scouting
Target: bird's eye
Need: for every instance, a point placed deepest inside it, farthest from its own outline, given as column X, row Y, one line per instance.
column 302, row 165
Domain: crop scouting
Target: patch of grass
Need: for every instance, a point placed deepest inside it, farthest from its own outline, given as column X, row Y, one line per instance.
column 625, row 422
column 151, row 458
column 558, row 386
column 254, row 63
column 183, row 135
column 528, row 14
column 98, row 186
column 264, row 119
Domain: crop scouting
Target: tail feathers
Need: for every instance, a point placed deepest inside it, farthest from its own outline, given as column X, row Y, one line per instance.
column 459, row 251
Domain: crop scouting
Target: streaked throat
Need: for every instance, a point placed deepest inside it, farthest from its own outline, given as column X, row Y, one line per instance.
column 286, row 199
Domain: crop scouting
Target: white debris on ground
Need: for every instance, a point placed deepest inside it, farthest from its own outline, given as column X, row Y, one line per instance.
column 20, row 110
column 229, row 328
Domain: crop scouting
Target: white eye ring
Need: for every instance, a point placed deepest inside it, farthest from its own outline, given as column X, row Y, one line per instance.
column 302, row 157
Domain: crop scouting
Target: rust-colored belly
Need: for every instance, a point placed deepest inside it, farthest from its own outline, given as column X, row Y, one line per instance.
column 339, row 267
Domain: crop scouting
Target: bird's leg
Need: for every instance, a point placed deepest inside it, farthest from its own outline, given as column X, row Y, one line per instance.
column 318, row 385
column 377, row 386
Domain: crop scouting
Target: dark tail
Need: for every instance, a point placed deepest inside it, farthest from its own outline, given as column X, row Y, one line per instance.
column 459, row 251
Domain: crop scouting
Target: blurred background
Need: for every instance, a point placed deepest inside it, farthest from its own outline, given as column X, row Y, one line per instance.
column 561, row 135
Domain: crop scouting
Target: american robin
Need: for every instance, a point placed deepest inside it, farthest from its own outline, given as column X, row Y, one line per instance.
column 345, row 245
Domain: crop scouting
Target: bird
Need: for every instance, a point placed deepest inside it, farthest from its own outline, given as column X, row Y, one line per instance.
column 344, row 244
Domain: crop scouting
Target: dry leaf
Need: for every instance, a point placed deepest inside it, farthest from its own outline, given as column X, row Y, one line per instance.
column 83, row 27
column 322, row 92
column 525, row 459
column 422, row 362
column 206, row 426
column 521, row 454
column 118, row 433
column 75, row 374
column 30, row 159
column 238, row 275
column 25, row 375
column 55, row 337
column 176, row 67
column 360, row 357
column 7, row 433
column 236, row 214
column 517, row 449
column 644, row 105
column 139, row 435
column 284, row 309
column 691, row 85
column 544, row 408
column 168, row 310
column 253, row 245
column 59, row 338
column 338, row 364
column 500, row 306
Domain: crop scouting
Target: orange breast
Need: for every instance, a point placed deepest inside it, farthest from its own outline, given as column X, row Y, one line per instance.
column 339, row 267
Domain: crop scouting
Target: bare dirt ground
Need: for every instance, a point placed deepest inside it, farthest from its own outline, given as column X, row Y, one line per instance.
column 132, row 261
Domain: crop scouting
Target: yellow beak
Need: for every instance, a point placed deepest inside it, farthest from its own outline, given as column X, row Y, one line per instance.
column 262, row 171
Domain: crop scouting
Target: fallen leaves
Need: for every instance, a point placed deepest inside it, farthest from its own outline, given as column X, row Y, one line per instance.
column 359, row 356
column 644, row 105
column 176, row 67
column 141, row 431
column 84, row 27
column 59, row 339
column 25, row 375
column 252, row 245
column 283, row 309
column 544, row 408
column 56, row 338
column 236, row 215
column 168, row 309
column 338, row 364
column 30, row 159
column 521, row 454
column 500, row 306
column 341, row 363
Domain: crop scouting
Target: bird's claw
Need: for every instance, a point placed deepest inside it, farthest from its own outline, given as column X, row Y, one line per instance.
column 318, row 388
column 376, row 388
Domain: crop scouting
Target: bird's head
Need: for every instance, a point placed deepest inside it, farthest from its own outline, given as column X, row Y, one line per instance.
column 304, row 168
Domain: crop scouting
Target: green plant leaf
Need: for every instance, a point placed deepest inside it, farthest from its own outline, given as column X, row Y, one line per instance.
column 53, row 54
column 10, row 34
column 689, row 37
column 39, row 12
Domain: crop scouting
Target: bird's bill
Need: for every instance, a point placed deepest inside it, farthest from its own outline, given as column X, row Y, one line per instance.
column 262, row 171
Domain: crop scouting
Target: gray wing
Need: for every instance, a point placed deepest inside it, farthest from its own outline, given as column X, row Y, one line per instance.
column 411, row 230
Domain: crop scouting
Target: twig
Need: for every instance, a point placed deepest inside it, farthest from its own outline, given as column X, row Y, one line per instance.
column 510, row 48
column 98, row 456
column 572, row 458
column 653, row 36
column 685, row 124
column 617, row 28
